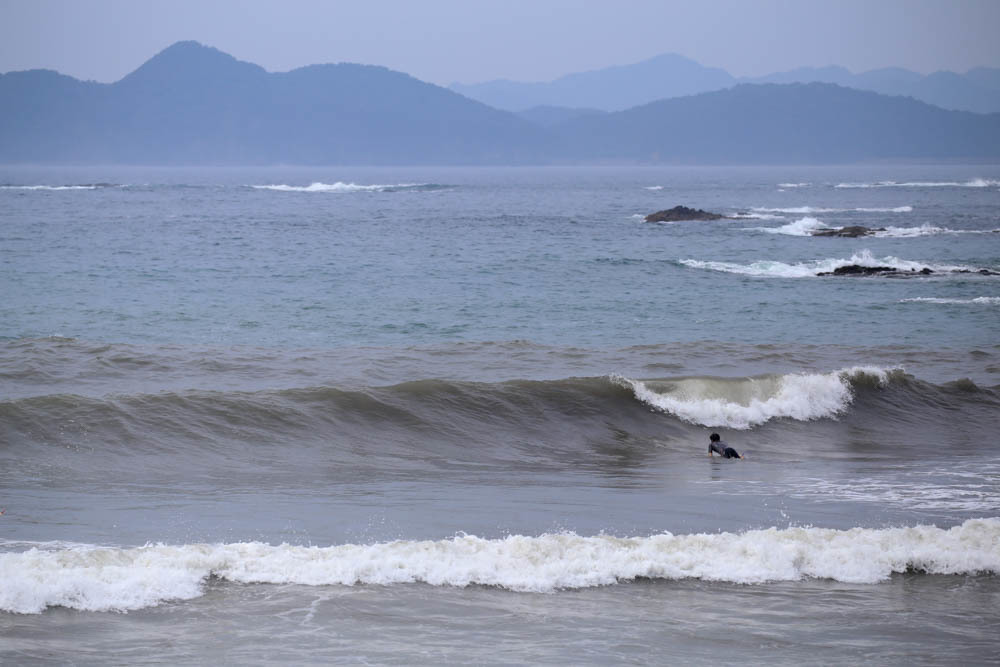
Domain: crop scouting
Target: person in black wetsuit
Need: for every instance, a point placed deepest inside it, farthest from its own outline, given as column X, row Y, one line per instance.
column 715, row 444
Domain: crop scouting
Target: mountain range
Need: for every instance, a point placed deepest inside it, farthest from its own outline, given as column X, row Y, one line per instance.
column 193, row 104
column 671, row 75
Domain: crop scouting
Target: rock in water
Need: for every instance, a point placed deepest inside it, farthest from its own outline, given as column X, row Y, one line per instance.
column 854, row 231
column 682, row 213
column 858, row 270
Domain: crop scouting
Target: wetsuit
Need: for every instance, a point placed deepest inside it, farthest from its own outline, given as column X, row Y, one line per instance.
column 723, row 450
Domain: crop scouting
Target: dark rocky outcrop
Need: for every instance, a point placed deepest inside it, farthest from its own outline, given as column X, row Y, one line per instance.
column 858, row 270
column 982, row 272
column 682, row 213
column 852, row 232
column 892, row 272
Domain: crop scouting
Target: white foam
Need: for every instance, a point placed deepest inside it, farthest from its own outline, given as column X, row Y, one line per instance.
column 48, row 187
column 958, row 487
column 339, row 187
column 113, row 579
column 775, row 269
column 747, row 402
column 976, row 301
column 801, row 227
column 794, row 185
column 974, row 183
column 911, row 232
column 654, row 187
column 819, row 209
column 757, row 216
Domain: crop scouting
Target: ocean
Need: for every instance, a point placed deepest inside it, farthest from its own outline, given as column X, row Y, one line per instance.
column 461, row 415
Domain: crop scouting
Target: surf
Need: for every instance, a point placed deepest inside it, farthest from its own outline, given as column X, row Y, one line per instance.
column 94, row 578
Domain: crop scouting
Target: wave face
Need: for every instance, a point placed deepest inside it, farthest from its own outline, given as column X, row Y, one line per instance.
column 416, row 425
column 115, row 579
column 812, row 269
column 743, row 403
column 349, row 188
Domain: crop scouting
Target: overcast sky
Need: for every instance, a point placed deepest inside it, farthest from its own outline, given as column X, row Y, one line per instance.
column 443, row 41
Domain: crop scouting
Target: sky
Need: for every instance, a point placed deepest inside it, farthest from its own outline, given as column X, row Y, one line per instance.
column 470, row 41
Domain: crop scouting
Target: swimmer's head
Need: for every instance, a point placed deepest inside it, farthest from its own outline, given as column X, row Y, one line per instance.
column 714, row 437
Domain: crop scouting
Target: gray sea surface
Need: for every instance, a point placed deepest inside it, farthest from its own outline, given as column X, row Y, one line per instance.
column 449, row 415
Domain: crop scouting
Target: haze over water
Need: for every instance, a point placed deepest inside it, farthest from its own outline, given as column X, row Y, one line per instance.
column 461, row 415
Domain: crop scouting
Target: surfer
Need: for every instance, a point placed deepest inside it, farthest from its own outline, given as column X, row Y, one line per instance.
column 715, row 444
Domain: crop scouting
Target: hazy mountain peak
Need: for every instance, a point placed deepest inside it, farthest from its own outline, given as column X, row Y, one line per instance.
column 190, row 60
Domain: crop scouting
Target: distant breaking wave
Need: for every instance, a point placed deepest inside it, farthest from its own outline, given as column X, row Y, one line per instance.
column 802, row 227
column 741, row 403
column 775, row 269
column 794, row 185
column 93, row 578
column 808, row 225
column 978, row 301
column 974, row 183
column 343, row 188
column 85, row 186
column 815, row 209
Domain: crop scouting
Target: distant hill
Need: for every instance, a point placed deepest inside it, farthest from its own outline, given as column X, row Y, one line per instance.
column 978, row 90
column 671, row 75
column 790, row 123
column 192, row 104
column 549, row 116
column 609, row 89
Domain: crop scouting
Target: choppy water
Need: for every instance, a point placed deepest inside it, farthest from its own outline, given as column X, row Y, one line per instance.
column 453, row 415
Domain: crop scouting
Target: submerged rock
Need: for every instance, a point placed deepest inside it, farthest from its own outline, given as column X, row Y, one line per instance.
column 682, row 213
column 853, row 231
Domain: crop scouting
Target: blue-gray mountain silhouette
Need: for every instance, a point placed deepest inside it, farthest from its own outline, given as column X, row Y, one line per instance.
column 610, row 89
column 671, row 75
column 790, row 123
column 192, row 104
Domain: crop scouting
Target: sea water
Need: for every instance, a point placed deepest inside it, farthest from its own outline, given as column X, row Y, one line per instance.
column 420, row 415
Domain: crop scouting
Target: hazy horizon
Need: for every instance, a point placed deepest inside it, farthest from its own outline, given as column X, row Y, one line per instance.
column 445, row 42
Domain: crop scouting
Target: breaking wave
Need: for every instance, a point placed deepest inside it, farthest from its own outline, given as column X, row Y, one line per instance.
column 802, row 227
column 346, row 188
column 84, row 186
column 973, row 183
column 96, row 578
column 808, row 225
column 769, row 268
column 747, row 402
column 819, row 209
column 794, row 185
column 977, row 301
column 923, row 230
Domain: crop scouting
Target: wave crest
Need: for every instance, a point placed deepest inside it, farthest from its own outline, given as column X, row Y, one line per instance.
column 122, row 579
column 747, row 402
column 972, row 183
column 770, row 268
column 345, row 188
